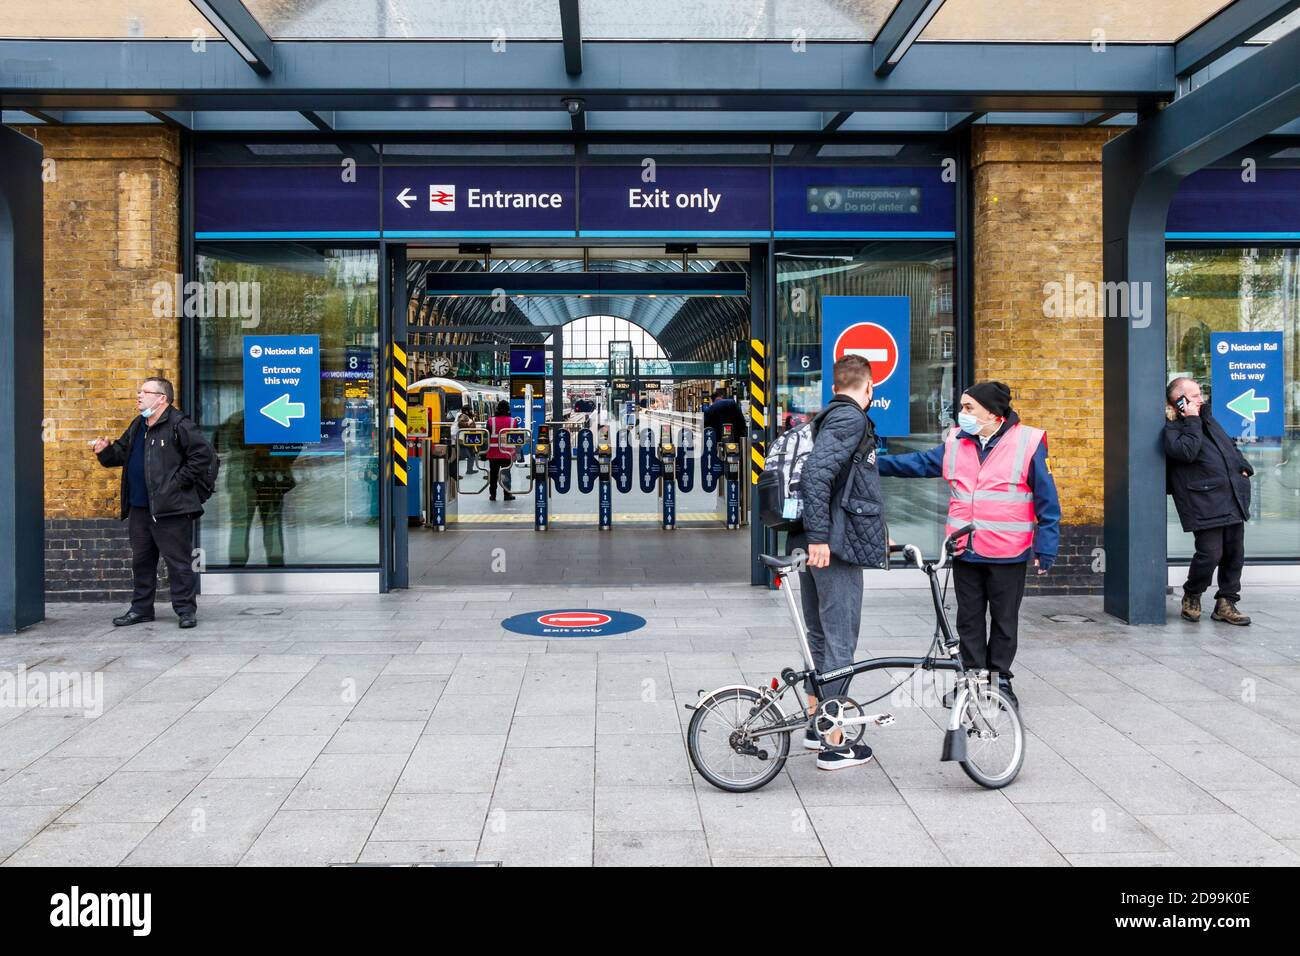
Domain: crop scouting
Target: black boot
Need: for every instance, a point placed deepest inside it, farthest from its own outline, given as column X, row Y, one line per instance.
column 132, row 617
column 1004, row 685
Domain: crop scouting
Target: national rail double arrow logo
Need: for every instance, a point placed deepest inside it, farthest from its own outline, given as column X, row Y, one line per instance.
column 442, row 198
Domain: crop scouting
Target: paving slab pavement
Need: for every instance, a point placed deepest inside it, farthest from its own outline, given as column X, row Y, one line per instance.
column 319, row 730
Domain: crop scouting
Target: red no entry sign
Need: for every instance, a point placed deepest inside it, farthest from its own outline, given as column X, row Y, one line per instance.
column 574, row 619
column 573, row 622
column 875, row 344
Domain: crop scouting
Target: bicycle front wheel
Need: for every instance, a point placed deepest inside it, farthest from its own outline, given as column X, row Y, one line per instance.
column 995, row 738
column 723, row 753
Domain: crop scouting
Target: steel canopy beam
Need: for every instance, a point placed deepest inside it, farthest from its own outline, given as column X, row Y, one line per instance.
column 906, row 22
column 419, row 75
column 322, row 121
column 242, row 32
column 1250, row 101
column 571, row 32
column 1141, row 171
column 1226, row 31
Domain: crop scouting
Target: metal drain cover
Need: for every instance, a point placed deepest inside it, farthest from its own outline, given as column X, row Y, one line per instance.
column 262, row 611
column 1069, row 619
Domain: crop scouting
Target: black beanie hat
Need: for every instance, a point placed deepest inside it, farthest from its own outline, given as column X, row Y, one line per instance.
column 994, row 396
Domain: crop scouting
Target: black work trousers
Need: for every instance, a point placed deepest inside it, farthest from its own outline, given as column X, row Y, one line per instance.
column 172, row 538
column 498, row 473
column 995, row 590
column 1222, row 548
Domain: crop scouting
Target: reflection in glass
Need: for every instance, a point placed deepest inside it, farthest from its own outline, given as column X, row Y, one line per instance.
column 300, row 504
column 922, row 272
column 1241, row 290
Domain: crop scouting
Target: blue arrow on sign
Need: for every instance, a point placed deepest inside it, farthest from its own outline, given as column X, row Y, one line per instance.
column 1248, row 406
column 282, row 411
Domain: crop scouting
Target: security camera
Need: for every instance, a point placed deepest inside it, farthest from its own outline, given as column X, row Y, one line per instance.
column 573, row 105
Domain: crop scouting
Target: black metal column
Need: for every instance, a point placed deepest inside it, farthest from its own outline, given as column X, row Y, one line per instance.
column 762, row 322
column 22, row 386
column 398, row 566
column 1141, row 169
column 1134, row 207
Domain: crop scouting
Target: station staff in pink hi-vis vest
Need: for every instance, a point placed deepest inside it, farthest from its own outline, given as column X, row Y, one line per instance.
column 999, row 480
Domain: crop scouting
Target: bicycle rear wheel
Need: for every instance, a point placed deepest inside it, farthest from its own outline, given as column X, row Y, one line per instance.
column 723, row 754
column 995, row 738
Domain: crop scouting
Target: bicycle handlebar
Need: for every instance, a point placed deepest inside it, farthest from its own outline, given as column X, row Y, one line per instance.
column 910, row 552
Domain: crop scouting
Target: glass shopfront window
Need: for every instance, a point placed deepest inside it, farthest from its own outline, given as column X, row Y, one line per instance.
column 309, row 504
column 921, row 272
column 1242, row 290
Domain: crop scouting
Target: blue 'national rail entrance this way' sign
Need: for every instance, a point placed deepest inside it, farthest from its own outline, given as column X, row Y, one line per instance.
column 281, row 389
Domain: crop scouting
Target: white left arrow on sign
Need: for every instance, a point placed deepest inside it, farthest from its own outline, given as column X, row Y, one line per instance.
column 406, row 197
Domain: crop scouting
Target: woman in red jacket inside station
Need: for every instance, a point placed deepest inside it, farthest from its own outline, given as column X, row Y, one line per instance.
column 499, row 459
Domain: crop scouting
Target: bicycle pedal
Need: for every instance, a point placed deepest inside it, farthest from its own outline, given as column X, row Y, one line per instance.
column 881, row 720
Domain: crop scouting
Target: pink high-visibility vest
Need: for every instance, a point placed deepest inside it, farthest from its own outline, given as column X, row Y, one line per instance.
column 994, row 495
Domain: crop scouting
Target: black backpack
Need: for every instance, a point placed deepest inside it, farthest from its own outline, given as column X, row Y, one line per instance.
column 207, row 483
column 780, row 503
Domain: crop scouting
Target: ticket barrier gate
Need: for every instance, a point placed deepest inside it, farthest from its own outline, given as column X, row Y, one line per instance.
column 539, row 472
column 475, row 440
column 552, row 464
column 723, row 459
column 729, row 451
column 671, row 465
column 435, row 482
column 604, row 465
column 428, row 474
column 513, row 441
column 604, row 462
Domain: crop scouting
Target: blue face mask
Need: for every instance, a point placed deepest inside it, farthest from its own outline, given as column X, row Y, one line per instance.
column 969, row 423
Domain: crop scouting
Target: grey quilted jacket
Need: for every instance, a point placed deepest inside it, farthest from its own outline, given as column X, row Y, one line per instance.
column 842, row 505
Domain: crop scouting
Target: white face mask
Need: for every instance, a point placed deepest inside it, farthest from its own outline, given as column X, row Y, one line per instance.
column 970, row 424
column 146, row 413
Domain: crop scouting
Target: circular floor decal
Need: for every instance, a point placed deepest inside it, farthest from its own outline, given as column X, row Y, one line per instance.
column 573, row 622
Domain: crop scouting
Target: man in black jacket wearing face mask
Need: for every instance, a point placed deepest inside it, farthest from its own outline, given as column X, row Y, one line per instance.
column 163, row 456
column 1209, row 478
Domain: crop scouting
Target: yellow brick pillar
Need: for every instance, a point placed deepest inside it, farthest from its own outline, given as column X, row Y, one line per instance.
column 112, row 229
column 1037, row 222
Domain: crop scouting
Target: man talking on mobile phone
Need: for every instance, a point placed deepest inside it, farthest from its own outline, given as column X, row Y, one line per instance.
column 843, row 532
column 1209, row 478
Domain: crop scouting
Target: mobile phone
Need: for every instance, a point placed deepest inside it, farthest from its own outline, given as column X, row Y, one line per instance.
column 1181, row 404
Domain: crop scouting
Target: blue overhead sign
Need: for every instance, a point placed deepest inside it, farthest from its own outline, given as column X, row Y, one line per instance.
column 527, row 361
column 866, row 201
column 878, row 328
column 723, row 201
column 568, row 199
column 235, row 202
column 1246, row 378
column 1225, row 204
column 281, row 389
column 471, row 200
